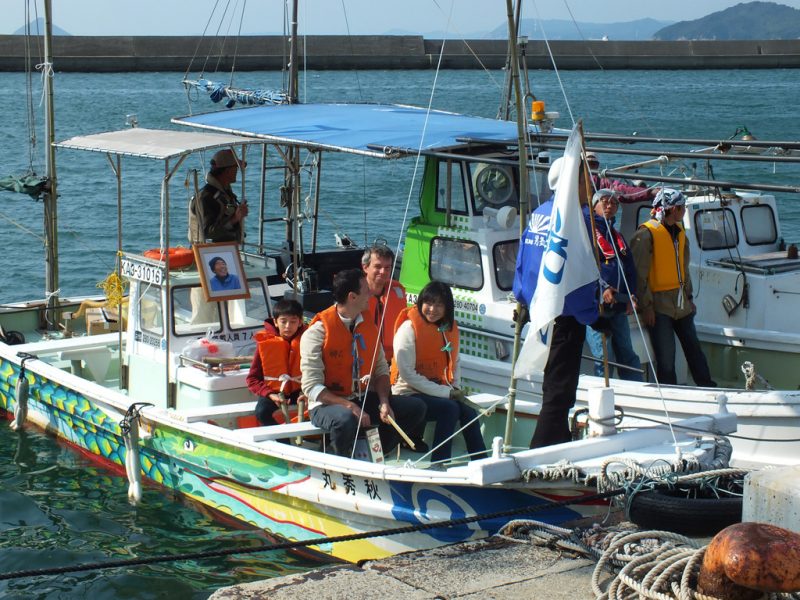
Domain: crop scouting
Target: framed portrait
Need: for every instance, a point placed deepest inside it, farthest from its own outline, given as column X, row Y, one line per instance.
column 221, row 272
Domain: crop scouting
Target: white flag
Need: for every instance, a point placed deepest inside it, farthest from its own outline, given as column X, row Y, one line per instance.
column 567, row 264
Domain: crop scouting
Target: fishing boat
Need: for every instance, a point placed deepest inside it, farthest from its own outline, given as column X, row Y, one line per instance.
column 134, row 397
column 745, row 276
column 122, row 383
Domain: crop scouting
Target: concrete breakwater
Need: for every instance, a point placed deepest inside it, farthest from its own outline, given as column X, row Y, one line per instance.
column 168, row 53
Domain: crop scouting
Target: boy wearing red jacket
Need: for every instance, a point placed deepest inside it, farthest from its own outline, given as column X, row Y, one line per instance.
column 275, row 371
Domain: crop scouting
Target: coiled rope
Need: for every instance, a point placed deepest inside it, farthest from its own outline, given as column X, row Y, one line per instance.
column 657, row 565
column 288, row 545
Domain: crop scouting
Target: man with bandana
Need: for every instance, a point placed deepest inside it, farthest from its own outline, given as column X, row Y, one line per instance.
column 618, row 285
column 664, row 288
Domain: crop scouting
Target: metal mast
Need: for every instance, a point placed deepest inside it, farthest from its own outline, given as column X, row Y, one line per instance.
column 51, row 194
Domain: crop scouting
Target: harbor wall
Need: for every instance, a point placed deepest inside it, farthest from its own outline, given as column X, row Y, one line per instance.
column 177, row 53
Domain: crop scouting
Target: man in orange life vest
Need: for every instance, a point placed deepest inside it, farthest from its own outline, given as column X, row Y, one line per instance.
column 387, row 296
column 341, row 360
column 275, row 371
column 664, row 287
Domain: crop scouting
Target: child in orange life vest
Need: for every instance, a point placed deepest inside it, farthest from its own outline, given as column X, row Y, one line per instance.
column 275, row 371
column 425, row 366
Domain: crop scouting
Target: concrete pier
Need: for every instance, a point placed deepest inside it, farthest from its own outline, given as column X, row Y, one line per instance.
column 492, row 568
column 174, row 53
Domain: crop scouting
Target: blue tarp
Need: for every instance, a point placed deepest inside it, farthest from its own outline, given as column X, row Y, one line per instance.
column 373, row 129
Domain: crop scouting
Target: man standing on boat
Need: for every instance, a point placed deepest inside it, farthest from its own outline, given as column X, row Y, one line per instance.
column 387, row 296
column 578, row 309
column 618, row 285
column 216, row 214
column 344, row 371
column 661, row 255
column 628, row 194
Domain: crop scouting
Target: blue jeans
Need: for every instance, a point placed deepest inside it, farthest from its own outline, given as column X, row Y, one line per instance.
column 620, row 350
column 342, row 425
column 662, row 337
column 447, row 413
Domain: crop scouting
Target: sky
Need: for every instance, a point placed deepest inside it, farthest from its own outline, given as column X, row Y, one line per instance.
column 320, row 17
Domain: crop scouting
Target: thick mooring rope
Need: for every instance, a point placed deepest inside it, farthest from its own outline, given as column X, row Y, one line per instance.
column 657, row 565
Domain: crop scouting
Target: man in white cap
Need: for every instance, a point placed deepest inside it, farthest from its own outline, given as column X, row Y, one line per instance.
column 562, row 370
column 664, row 288
column 216, row 214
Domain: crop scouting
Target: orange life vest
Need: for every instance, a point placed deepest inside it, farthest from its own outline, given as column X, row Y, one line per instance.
column 341, row 347
column 280, row 361
column 392, row 302
column 437, row 351
column 666, row 267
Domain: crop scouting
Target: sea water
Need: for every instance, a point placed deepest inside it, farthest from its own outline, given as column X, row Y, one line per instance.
column 56, row 507
column 363, row 198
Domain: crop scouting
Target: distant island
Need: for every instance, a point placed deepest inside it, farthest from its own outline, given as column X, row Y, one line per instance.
column 37, row 28
column 746, row 21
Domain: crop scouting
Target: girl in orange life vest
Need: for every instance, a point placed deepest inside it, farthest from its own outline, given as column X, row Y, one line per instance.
column 426, row 366
column 275, row 371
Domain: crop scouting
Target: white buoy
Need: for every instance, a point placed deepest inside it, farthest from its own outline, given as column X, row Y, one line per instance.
column 133, row 466
column 21, row 390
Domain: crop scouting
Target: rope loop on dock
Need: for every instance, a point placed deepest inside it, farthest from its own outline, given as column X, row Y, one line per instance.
column 657, row 565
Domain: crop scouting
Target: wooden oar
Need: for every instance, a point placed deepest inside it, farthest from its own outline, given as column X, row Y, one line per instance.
column 402, row 433
column 301, row 408
column 285, row 409
column 232, row 360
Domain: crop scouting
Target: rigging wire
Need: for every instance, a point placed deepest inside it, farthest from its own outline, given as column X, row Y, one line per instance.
column 199, row 43
column 417, row 160
column 238, row 37
column 555, row 67
column 30, row 113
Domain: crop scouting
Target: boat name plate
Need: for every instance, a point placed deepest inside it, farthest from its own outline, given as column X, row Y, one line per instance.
column 133, row 269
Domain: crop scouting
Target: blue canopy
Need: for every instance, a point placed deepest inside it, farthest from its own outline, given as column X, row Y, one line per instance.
column 380, row 130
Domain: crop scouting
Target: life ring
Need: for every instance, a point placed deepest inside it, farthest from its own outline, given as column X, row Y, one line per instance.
column 671, row 510
column 179, row 257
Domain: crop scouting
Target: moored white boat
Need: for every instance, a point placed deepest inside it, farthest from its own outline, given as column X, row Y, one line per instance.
column 87, row 390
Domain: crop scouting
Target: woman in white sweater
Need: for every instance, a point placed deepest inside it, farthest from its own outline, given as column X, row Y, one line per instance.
column 425, row 365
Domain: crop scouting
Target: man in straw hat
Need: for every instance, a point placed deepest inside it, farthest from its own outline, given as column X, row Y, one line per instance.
column 216, row 214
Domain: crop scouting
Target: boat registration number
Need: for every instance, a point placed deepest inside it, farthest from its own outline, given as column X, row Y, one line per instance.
column 141, row 272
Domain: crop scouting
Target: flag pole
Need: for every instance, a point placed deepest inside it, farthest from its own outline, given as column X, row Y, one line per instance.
column 522, row 128
column 589, row 193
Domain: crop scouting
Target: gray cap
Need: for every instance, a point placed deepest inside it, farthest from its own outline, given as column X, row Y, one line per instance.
column 603, row 193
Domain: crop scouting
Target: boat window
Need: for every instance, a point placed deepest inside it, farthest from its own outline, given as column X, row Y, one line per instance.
column 716, row 229
column 192, row 314
column 458, row 198
column 505, row 261
column 150, row 318
column 457, row 263
column 758, row 223
column 492, row 185
column 246, row 313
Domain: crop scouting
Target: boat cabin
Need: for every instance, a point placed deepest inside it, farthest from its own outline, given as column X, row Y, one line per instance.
column 154, row 351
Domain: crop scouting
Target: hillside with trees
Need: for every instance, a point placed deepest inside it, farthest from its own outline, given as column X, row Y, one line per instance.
column 746, row 21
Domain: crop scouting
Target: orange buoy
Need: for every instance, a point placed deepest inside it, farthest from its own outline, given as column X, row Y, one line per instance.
column 747, row 559
column 179, row 257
